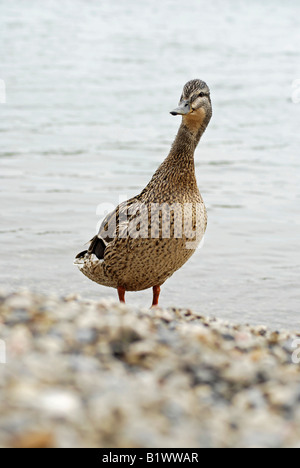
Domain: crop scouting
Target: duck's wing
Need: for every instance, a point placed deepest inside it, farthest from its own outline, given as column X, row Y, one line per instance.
column 115, row 224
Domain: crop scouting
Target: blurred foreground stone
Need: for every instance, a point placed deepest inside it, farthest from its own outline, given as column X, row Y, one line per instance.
column 86, row 374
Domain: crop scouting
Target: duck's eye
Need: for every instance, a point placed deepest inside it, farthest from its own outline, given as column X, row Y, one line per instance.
column 201, row 94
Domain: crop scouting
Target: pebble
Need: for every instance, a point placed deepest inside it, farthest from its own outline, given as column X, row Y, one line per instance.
column 80, row 373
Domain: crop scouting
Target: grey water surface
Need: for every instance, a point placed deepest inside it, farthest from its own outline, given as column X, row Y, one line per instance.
column 89, row 87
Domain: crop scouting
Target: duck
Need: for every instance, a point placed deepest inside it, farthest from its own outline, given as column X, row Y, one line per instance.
column 147, row 238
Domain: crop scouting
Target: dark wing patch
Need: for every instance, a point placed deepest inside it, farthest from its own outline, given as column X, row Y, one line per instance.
column 115, row 221
column 97, row 247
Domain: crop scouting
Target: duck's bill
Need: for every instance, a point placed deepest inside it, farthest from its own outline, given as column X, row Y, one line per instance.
column 183, row 108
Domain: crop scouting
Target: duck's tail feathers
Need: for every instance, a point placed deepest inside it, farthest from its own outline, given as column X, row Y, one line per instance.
column 81, row 254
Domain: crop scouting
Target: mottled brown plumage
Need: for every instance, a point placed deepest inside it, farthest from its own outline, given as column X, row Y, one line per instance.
column 147, row 238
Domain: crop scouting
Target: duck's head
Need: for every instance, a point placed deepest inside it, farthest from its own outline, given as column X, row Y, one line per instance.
column 195, row 104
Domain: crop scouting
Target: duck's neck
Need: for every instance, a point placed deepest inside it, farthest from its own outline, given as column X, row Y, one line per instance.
column 178, row 169
column 181, row 156
column 183, row 148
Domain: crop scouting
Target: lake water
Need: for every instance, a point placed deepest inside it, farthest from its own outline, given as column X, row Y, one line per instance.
column 89, row 87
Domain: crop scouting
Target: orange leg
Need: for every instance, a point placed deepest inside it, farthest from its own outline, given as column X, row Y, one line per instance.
column 121, row 293
column 156, row 293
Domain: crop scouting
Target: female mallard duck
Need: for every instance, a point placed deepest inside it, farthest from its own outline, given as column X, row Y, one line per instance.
column 147, row 238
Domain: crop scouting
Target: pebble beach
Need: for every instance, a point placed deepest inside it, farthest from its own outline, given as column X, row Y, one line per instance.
column 81, row 373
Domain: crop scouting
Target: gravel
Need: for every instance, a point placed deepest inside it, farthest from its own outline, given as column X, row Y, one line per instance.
column 80, row 373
